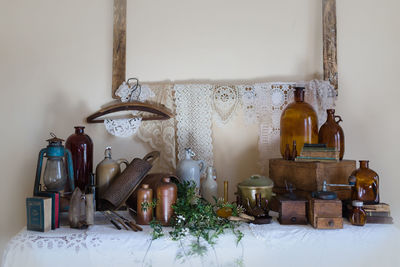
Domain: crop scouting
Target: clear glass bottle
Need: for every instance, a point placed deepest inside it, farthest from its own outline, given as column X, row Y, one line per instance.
column 357, row 215
column 299, row 122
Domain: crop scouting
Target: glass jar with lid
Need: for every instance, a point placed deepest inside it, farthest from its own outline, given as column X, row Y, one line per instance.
column 357, row 215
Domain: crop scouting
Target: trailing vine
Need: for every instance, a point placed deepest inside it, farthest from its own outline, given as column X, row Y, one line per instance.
column 194, row 216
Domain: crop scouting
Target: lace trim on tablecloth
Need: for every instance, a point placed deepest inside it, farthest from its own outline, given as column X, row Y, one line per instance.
column 193, row 117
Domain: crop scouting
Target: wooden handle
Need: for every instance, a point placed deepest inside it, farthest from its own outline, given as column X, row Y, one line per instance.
column 152, row 156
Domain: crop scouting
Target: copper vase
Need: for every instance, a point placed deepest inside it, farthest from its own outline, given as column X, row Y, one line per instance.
column 299, row 123
column 144, row 205
column 366, row 188
column 331, row 133
column 166, row 197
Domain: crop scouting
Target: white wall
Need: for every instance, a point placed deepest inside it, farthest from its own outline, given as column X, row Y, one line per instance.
column 55, row 69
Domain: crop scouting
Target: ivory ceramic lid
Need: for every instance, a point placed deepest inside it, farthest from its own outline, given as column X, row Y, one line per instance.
column 257, row 181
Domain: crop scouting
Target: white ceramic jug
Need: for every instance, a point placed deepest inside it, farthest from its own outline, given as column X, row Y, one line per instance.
column 209, row 187
column 189, row 169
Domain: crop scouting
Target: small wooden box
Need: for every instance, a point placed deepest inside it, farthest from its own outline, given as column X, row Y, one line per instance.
column 325, row 214
column 290, row 211
column 309, row 176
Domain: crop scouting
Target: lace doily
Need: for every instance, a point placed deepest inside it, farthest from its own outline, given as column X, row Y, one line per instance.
column 225, row 100
column 262, row 103
column 193, row 117
column 128, row 93
column 122, row 127
column 160, row 136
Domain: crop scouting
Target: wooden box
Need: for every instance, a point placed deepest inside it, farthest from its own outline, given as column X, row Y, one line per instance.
column 309, row 176
column 325, row 214
column 290, row 211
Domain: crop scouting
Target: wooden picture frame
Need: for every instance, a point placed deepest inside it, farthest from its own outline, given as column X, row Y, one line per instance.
column 329, row 43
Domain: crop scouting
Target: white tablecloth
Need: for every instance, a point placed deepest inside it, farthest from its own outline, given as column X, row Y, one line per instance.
column 262, row 245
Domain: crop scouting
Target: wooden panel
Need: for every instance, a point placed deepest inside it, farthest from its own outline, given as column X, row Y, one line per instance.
column 329, row 41
column 119, row 45
column 309, row 176
column 292, row 212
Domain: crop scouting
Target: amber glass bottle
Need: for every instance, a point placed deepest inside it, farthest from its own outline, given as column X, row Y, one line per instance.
column 366, row 188
column 299, row 123
column 357, row 214
column 331, row 133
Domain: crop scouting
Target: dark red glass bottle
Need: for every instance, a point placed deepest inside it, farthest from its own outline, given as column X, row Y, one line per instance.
column 81, row 147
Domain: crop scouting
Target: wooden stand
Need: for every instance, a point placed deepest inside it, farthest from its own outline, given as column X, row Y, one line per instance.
column 325, row 214
column 309, row 176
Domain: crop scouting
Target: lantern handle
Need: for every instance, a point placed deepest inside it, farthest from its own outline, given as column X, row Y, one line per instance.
column 70, row 169
column 39, row 171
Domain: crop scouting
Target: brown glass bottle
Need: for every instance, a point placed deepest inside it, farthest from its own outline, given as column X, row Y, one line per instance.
column 331, row 133
column 299, row 123
column 81, row 147
column 366, row 188
column 144, row 205
column 166, row 197
column 357, row 215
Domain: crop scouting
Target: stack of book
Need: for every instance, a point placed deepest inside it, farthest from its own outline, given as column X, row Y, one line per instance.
column 318, row 152
column 378, row 213
column 43, row 211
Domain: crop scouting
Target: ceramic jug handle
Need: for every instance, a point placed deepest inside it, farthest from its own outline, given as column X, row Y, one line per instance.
column 339, row 120
column 123, row 161
column 202, row 164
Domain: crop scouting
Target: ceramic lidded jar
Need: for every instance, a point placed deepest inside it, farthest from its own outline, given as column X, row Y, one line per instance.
column 189, row 169
column 331, row 133
column 166, row 193
column 81, row 147
column 299, row 122
column 366, row 184
column 106, row 171
column 144, row 205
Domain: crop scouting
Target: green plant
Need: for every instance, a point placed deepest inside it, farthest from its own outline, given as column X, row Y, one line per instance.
column 145, row 205
column 196, row 217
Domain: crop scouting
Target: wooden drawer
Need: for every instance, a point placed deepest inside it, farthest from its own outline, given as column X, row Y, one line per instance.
column 329, row 223
column 325, row 214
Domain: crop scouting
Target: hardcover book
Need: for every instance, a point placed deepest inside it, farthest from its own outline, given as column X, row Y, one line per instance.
column 55, row 207
column 38, row 214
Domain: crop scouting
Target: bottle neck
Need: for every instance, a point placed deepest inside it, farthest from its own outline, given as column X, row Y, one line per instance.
column 79, row 129
column 330, row 114
column 299, row 94
column 364, row 164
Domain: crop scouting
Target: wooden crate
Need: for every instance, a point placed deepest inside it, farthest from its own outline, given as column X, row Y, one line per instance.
column 309, row 176
column 325, row 214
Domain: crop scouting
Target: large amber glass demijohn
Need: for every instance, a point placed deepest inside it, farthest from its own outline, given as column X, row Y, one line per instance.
column 299, row 122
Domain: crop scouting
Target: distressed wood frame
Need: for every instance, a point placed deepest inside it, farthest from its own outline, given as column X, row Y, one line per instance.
column 329, row 43
column 119, row 45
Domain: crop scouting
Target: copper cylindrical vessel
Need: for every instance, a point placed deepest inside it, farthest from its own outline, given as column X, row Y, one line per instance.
column 166, row 197
column 144, row 205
